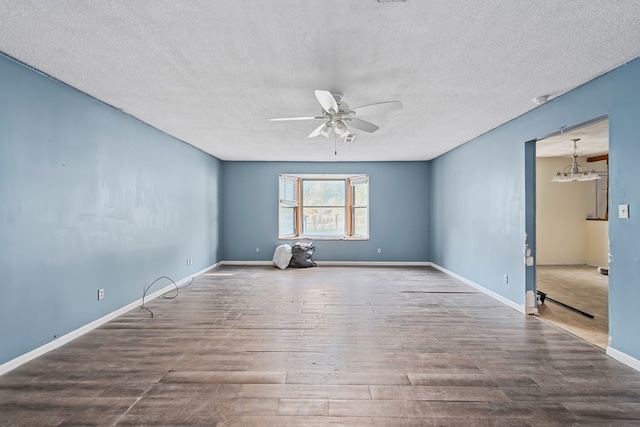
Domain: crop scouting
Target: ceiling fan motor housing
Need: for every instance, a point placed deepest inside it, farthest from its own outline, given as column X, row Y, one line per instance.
column 336, row 120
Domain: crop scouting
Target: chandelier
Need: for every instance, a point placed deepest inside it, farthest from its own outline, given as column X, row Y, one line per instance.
column 575, row 172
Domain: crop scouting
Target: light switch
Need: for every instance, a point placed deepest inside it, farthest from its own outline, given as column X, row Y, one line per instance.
column 623, row 211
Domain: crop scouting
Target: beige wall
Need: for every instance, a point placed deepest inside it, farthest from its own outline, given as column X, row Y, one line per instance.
column 598, row 243
column 561, row 212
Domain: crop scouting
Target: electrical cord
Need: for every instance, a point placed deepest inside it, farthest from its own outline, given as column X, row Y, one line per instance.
column 177, row 291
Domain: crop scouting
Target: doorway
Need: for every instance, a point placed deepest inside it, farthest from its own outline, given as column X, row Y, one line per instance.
column 572, row 230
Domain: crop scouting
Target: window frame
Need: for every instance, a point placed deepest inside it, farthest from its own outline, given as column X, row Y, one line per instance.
column 350, row 183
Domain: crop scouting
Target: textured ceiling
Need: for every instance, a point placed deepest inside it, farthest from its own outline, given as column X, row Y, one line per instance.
column 593, row 141
column 211, row 73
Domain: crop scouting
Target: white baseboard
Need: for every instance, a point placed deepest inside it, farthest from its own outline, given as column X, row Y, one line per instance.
column 246, row 263
column 630, row 361
column 20, row 360
column 482, row 289
column 611, row 352
column 375, row 263
column 342, row 263
column 562, row 264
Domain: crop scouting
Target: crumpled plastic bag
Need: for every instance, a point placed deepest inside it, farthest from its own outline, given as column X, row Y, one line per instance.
column 282, row 256
column 301, row 253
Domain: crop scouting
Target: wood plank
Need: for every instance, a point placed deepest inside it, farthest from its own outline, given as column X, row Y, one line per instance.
column 354, row 346
column 598, row 158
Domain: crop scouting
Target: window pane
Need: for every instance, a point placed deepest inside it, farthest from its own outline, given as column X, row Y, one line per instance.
column 323, row 220
column 287, row 221
column 360, row 222
column 361, row 195
column 323, row 193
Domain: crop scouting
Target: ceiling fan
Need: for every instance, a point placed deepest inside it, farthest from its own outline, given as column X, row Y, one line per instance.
column 337, row 116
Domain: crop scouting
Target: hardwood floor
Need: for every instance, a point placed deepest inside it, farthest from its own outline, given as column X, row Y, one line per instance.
column 582, row 287
column 327, row 345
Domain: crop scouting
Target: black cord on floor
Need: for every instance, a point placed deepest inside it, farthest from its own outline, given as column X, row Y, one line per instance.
column 177, row 291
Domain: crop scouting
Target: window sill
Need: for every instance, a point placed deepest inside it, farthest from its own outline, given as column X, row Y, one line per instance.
column 329, row 238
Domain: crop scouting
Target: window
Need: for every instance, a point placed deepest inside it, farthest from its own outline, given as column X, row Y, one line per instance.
column 288, row 205
column 324, row 206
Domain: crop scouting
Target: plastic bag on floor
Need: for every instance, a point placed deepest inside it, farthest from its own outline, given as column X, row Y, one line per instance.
column 282, row 256
column 301, row 253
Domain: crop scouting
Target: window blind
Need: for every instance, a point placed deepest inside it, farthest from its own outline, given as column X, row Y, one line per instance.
column 288, row 190
column 358, row 180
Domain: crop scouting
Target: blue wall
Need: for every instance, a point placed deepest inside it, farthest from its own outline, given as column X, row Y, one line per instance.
column 90, row 198
column 477, row 213
column 398, row 211
column 478, row 197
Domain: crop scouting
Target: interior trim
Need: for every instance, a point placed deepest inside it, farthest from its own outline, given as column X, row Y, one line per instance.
column 571, row 128
column 343, row 263
column 621, row 357
column 482, row 289
column 59, row 342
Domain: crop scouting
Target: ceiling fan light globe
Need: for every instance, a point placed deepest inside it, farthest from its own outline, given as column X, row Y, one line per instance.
column 340, row 127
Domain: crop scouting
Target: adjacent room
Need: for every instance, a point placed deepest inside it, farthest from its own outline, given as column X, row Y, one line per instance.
column 572, row 230
column 155, row 154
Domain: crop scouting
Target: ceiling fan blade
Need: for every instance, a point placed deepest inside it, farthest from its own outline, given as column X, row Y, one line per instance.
column 316, row 132
column 327, row 101
column 380, row 107
column 285, row 119
column 362, row 125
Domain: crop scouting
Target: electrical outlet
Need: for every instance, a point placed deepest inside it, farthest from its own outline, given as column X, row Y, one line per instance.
column 100, row 294
column 379, row 250
column 257, row 249
column 505, row 279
